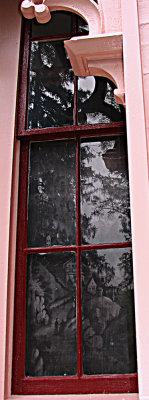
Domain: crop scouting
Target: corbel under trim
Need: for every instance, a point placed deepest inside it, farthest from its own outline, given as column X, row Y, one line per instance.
column 100, row 55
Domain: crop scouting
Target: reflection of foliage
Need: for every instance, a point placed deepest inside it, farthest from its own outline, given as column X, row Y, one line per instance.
column 99, row 103
column 37, row 293
column 50, row 96
column 51, row 91
column 126, row 266
column 52, row 193
column 104, row 194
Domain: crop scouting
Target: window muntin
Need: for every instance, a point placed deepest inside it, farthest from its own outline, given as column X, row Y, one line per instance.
column 85, row 381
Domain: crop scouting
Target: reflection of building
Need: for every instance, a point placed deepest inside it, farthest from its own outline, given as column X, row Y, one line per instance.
column 70, row 268
column 92, row 286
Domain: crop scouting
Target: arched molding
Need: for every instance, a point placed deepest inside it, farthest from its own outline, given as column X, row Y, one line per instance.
column 98, row 53
column 87, row 9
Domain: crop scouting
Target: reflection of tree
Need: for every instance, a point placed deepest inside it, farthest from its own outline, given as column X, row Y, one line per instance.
column 52, row 194
column 52, row 86
column 100, row 102
column 125, row 265
column 50, row 96
column 104, row 194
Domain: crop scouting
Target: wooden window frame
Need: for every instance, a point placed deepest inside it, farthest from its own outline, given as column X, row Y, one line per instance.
column 137, row 144
column 76, row 385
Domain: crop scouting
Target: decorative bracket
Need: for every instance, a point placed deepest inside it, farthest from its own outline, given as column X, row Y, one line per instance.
column 100, row 55
column 37, row 9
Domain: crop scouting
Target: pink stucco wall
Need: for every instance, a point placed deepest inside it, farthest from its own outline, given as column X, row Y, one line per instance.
column 9, row 51
column 136, row 74
column 143, row 11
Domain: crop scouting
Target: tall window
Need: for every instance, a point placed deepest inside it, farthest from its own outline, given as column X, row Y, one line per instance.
column 74, row 315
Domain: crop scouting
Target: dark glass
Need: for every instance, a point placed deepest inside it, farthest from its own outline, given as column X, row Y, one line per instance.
column 51, row 86
column 108, row 312
column 96, row 103
column 61, row 22
column 51, row 315
column 82, row 26
column 105, row 206
column 51, row 205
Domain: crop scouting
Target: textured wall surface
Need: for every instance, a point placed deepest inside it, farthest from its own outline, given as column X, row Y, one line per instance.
column 143, row 11
column 112, row 15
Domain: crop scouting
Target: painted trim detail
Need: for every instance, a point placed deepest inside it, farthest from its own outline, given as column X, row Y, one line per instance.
column 87, row 9
column 96, row 54
column 31, row 9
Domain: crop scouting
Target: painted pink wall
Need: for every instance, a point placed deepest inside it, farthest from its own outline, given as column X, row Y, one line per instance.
column 9, row 50
column 112, row 15
column 136, row 73
column 143, row 10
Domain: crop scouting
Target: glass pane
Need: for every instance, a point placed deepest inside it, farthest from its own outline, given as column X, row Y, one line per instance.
column 51, row 315
column 51, row 206
column 96, row 103
column 108, row 312
column 51, row 86
column 104, row 190
column 61, row 22
column 82, row 26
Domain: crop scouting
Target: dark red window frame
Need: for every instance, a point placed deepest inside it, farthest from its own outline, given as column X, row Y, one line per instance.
column 55, row 385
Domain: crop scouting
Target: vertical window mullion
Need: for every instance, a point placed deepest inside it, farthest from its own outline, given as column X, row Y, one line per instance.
column 78, row 243
column 20, row 301
column 75, row 107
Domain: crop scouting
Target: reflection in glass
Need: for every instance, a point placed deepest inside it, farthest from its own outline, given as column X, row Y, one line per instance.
column 96, row 103
column 51, row 86
column 104, row 191
column 82, row 26
column 51, row 206
column 51, row 315
column 108, row 312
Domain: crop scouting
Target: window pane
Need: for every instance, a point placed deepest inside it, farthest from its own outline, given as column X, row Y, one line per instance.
column 61, row 22
column 82, row 26
column 51, row 209
column 51, row 315
column 108, row 312
column 96, row 103
column 51, row 86
column 105, row 192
